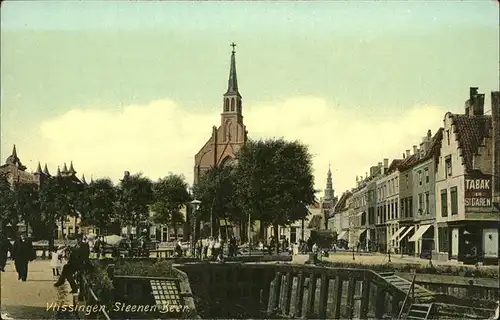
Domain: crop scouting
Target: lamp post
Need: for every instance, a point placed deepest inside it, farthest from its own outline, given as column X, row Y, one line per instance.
column 195, row 205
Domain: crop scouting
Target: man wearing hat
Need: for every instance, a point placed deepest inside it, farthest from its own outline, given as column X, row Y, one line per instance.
column 22, row 254
column 78, row 260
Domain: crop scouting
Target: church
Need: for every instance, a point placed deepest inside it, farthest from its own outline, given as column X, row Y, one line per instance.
column 227, row 138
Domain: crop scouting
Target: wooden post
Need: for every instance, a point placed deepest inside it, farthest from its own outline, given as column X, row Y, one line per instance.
column 337, row 297
column 323, row 295
column 300, row 296
column 365, row 297
column 311, row 292
column 395, row 306
column 350, row 299
column 380, row 302
column 287, row 294
column 274, row 294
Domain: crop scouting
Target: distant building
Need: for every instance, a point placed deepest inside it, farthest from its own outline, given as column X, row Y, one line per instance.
column 15, row 172
column 328, row 201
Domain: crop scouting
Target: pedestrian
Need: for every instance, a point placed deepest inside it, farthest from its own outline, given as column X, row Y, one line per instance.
column 77, row 262
column 5, row 248
column 22, row 254
column 217, row 248
column 98, row 247
column 199, row 249
column 57, row 261
column 178, row 249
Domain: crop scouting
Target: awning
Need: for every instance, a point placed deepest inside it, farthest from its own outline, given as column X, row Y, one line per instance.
column 397, row 233
column 420, row 232
column 360, row 232
column 342, row 235
column 406, row 233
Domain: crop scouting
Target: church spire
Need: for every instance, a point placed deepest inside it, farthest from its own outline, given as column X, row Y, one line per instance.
column 232, row 83
column 39, row 169
column 46, row 171
column 14, row 152
column 329, row 193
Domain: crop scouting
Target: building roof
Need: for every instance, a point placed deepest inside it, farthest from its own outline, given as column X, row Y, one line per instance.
column 341, row 204
column 470, row 133
column 394, row 165
column 433, row 150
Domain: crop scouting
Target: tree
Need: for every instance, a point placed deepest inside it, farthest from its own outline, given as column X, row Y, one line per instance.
column 170, row 194
column 215, row 190
column 7, row 209
column 27, row 206
column 98, row 204
column 135, row 194
column 274, row 179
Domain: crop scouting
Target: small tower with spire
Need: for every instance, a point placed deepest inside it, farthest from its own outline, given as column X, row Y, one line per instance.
column 329, row 192
column 232, row 104
column 71, row 170
column 64, row 170
column 14, row 160
column 58, row 174
column 46, row 171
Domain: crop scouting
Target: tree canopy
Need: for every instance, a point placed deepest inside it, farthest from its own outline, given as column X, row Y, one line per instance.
column 170, row 194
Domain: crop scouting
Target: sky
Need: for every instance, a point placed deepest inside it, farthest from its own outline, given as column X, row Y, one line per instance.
column 137, row 86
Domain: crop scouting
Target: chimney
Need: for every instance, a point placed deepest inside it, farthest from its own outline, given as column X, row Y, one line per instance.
column 415, row 149
column 472, row 93
column 429, row 134
column 475, row 105
column 386, row 163
column 495, row 115
column 408, row 153
column 478, row 107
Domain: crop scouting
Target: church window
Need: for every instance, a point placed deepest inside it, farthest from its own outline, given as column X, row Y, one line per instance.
column 239, row 106
column 226, row 105
column 228, row 131
column 232, row 104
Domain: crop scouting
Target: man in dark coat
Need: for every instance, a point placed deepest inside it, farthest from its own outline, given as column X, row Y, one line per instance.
column 22, row 254
column 5, row 247
column 78, row 260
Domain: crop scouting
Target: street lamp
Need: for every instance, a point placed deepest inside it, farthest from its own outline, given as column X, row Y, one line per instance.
column 196, row 204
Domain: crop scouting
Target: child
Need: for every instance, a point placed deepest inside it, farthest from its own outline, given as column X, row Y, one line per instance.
column 57, row 261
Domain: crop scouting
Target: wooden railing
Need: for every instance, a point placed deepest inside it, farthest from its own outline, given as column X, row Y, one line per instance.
column 91, row 299
column 293, row 291
column 411, row 290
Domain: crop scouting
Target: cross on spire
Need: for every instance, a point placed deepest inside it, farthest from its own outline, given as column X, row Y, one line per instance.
column 233, row 45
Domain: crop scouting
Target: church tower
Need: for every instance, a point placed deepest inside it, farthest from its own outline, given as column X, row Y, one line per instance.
column 329, row 192
column 225, row 140
column 232, row 103
column 231, row 135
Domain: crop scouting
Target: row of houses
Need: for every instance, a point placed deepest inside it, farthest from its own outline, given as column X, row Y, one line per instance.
column 439, row 200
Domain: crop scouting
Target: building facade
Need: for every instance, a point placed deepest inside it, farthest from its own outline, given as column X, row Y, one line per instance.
column 466, row 216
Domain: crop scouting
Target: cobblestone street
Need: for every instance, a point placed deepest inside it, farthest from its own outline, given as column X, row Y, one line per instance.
column 29, row 300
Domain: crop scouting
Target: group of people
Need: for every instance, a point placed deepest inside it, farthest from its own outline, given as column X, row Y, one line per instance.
column 210, row 248
column 22, row 252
